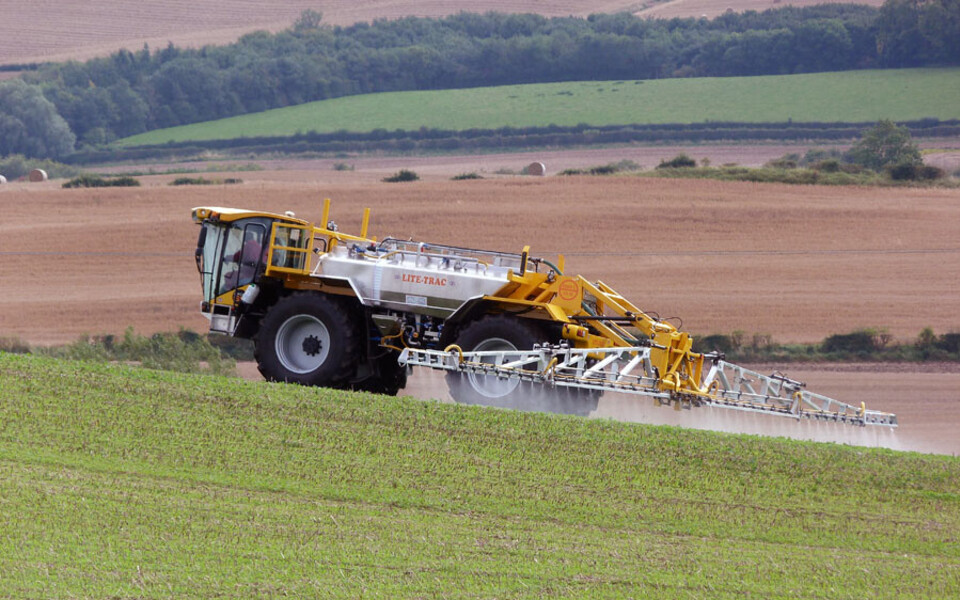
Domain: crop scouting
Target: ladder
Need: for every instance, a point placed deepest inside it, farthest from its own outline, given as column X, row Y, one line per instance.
column 628, row 370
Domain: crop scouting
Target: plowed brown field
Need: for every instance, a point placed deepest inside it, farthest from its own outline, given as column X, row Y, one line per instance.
column 797, row 262
column 60, row 30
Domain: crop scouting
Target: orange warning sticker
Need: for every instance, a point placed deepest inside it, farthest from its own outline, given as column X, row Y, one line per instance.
column 569, row 289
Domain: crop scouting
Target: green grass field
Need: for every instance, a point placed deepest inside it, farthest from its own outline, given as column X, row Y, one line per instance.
column 118, row 482
column 855, row 96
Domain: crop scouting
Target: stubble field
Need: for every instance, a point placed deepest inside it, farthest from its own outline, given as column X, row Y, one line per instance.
column 797, row 262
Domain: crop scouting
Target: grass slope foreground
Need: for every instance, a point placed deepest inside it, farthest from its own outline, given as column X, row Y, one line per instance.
column 119, row 483
column 854, row 96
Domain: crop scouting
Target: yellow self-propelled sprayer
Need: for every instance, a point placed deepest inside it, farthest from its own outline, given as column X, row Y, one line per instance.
column 329, row 309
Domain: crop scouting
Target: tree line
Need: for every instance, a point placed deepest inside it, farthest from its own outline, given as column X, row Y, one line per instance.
column 132, row 92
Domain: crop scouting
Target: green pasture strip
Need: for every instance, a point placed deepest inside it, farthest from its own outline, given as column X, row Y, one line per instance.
column 124, row 482
column 853, row 96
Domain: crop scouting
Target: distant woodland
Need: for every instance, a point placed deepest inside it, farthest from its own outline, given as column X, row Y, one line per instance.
column 54, row 108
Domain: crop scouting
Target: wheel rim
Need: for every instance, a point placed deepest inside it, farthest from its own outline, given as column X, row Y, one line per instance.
column 491, row 386
column 302, row 344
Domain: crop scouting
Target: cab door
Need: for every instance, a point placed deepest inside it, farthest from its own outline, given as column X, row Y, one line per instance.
column 230, row 257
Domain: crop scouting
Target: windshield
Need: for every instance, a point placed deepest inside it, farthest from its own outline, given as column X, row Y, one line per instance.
column 208, row 251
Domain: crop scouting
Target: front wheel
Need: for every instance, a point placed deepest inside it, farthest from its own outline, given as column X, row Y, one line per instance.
column 309, row 339
column 389, row 377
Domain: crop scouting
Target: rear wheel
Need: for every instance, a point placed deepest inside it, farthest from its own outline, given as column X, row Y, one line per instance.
column 508, row 333
column 308, row 339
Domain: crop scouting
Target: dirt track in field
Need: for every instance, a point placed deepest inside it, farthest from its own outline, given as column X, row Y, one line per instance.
column 941, row 152
column 796, row 262
column 712, row 8
column 374, row 167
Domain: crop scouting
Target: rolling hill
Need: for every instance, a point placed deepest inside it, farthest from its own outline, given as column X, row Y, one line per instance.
column 855, row 96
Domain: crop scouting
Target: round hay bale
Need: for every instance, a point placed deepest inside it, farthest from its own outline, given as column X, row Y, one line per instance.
column 3, row 180
column 37, row 175
column 536, row 168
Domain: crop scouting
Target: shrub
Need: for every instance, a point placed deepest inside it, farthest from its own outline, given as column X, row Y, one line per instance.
column 184, row 351
column 342, row 167
column 14, row 345
column 761, row 341
column 926, row 345
column 864, row 341
column 679, row 161
column 886, row 144
column 89, row 181
column 464, row 176
column 930, row 173
column 816, row 155
column 84, row 348
column 926, row 339
column 949, row 342
column 851, row 168
column 602, row 170
column 720, row 342
column 904, row 171
column 630, row 165
column 781, row 163
column 191, row 181
column 204, row 181
column 402, row 175
column 830, row 165
column 232, row 347
column 607, row 169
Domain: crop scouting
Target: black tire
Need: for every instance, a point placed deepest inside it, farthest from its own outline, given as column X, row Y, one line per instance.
column 389, row 379
column 310, row 339
column 506, row 332
column 496, row 332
